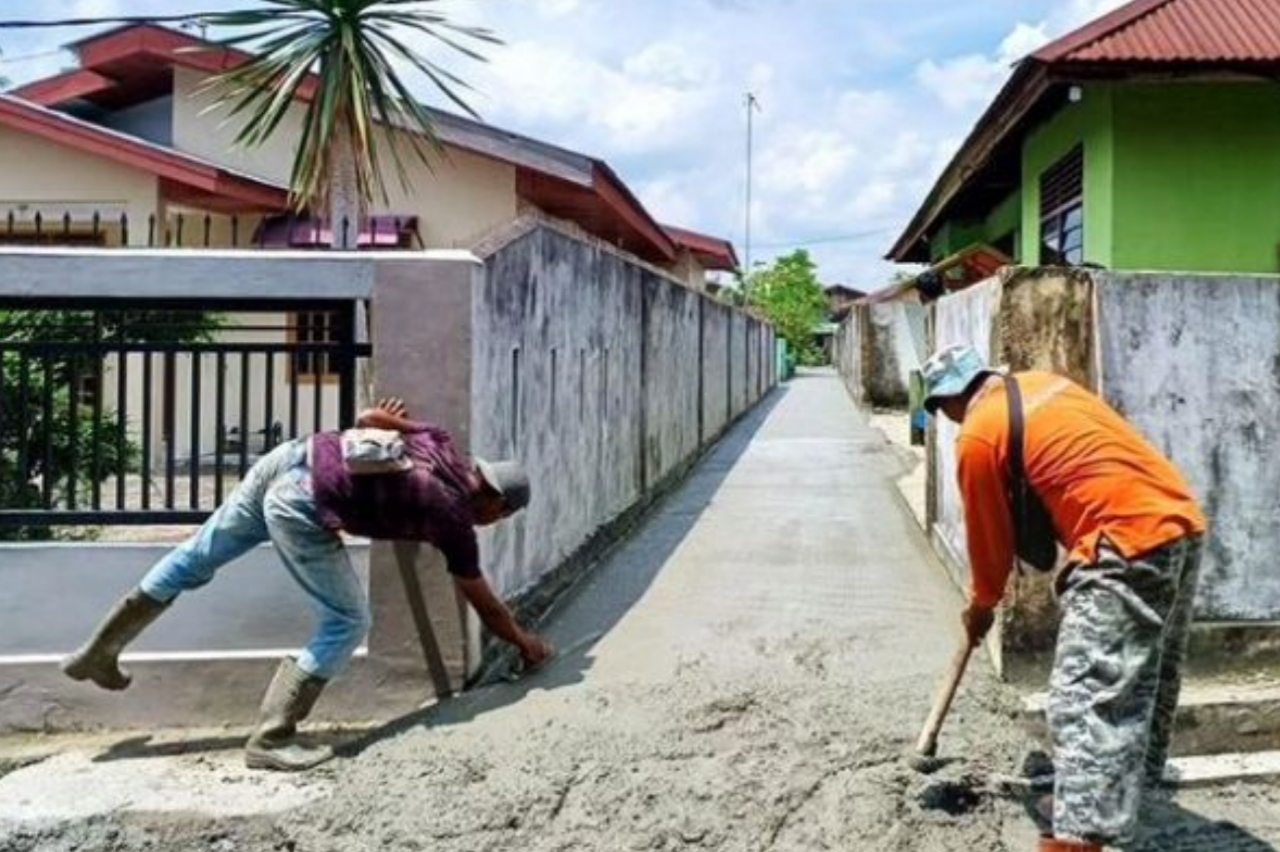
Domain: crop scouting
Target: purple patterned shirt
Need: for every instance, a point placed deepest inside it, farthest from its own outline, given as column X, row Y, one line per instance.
column 431, row 503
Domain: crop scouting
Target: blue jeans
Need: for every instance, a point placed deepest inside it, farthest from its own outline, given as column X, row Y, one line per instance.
column 274, row 503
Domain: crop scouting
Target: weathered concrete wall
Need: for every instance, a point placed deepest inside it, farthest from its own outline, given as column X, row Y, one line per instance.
column 968, row 317
column 848, row 355
column 893, row 346
column 671, row 389
column 604, row 376
column 737, row 363
column 715, row 368
column 876, row 349
column 1194, row 362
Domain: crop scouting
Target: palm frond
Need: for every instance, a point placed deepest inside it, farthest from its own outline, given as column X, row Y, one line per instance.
column 340, row 54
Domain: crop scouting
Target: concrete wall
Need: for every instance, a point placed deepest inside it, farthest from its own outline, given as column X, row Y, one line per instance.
column 715, row 368
column 605, row 377
column 848, row 354
column 876, row 349
column 894, row 345
column 969, row 317
column 1194, row 363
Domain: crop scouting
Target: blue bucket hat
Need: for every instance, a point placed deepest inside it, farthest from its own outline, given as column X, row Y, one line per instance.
column 951, row 372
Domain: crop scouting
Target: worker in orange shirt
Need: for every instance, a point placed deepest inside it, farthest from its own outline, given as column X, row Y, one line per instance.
column 1133, row 534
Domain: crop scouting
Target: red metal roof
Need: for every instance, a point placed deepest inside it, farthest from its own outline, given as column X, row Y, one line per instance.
column 1175, row 31
column 711, row 252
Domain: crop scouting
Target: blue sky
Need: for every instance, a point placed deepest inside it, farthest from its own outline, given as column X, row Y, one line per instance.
column 864, row 101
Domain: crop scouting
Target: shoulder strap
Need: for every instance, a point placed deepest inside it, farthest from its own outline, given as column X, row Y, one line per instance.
column 1016, row 471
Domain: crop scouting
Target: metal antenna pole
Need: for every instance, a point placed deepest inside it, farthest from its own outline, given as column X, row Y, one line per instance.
column 753, row 104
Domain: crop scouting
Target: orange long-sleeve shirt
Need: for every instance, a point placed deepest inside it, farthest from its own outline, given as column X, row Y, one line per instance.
column 1096, row 475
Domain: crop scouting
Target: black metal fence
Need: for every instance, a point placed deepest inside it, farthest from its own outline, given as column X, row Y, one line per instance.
column 150, row 413
column 89, row 229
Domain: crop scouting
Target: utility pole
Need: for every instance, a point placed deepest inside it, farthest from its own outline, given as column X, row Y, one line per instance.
column 753, row 106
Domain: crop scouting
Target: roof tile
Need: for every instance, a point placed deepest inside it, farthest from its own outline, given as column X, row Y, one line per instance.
column 1245, row 31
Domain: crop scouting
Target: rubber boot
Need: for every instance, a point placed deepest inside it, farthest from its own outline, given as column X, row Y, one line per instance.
column 1050, row 844
column 289, row 699
column 99, row 659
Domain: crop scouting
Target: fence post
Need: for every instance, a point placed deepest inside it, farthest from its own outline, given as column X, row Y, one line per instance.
column 422, row 352
column 348, row 336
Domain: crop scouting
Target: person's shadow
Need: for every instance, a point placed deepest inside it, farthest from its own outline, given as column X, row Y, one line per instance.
column 1166, row 826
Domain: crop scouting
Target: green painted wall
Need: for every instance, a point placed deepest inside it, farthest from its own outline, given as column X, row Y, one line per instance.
column 1006, row 218
column 1087, row 122
column 955, row 235
column 1197, row 177
column 952, row 237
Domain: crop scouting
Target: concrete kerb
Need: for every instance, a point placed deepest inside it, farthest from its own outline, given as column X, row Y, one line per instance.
column 1213, row 718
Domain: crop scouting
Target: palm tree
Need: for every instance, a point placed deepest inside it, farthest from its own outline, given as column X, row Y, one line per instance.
column 349, row 46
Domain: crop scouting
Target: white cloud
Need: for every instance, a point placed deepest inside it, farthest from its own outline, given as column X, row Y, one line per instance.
column 558, row 8
column 963, row 83
column 668, row 199
column 1076, row 13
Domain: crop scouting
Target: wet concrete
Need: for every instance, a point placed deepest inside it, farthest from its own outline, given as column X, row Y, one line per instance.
column 789, row 529
column 746, row 673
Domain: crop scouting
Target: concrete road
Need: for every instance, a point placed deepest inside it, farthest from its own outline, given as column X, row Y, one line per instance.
column 790, row 527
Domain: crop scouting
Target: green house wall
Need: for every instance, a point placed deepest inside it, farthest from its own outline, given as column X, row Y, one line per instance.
column 1179, row 176
column 1197, row 172
column 1086, row 122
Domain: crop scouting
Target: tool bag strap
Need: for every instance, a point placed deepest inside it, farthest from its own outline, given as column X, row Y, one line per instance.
column 1035, row 540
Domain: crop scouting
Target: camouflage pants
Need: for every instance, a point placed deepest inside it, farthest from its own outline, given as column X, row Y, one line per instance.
column 1115, row 684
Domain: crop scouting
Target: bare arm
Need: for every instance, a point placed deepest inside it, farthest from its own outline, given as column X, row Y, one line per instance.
column 389, row 414
column 497, row 617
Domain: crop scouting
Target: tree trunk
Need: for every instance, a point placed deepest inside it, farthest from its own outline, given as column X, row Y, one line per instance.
column 345, row 207
column 344, row 196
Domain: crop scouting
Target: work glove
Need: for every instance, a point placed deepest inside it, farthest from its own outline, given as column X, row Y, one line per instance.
column 977, row 622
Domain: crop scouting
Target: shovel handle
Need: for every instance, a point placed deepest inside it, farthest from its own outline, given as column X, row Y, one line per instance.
column 927, row 745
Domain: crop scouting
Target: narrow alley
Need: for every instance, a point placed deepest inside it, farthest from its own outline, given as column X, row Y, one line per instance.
column 746, row 673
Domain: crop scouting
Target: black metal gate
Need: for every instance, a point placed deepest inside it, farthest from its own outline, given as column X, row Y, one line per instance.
column 148, row 412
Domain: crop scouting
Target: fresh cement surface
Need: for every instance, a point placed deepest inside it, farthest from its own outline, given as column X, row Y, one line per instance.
column 746, row 673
